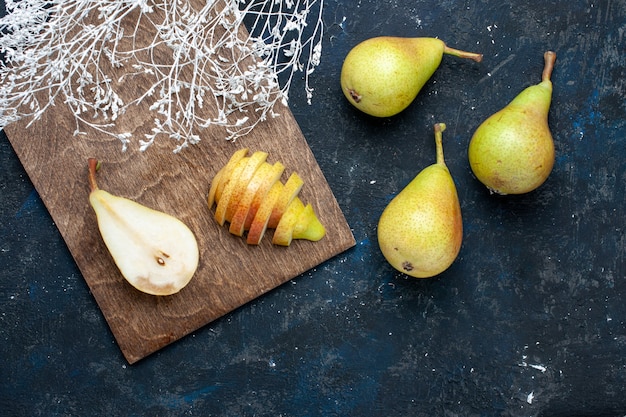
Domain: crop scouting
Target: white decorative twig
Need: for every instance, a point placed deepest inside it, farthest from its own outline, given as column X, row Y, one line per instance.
column 193, row 65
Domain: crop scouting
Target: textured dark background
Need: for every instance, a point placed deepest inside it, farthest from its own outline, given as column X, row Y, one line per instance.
column 529, row 321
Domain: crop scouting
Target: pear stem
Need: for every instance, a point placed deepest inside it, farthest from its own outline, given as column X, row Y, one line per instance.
column 462, row 54
column 93, row 167
column 439, row 128
column 549, row 58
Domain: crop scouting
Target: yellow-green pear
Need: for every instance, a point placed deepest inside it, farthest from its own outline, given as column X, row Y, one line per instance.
column 421, row 230
column 512, row 152
column 155, row 252
column 381, row 76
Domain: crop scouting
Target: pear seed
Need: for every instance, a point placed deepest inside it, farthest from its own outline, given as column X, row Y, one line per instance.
column 160, row 259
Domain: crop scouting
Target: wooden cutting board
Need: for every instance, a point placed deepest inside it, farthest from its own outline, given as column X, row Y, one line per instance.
column 230, row 273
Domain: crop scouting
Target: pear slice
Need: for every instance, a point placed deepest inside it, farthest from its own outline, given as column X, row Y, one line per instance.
column 237, row 221
column 259, row 184
column 213, row 188
column 239, row 189
column 262, row 217
column 155, row 252
column 226, row 173
column 284, row 230
column 229, row 187
column 290, row 191
column 298, row 222
column 308, row 226
column 277, row 170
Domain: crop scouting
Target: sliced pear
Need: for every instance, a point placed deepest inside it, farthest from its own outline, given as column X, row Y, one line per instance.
column 308, row 226
column 290, row 191
column 237, row 221
column 262, row 217
column 254, row 162
column 277, row 170
column 227, row 172
column 259, row 185
column 284, row 230
column 155, row 252
column 249, row 195
column 227, row 192
column 213, row 189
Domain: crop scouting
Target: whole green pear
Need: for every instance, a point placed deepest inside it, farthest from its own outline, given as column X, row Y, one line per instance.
column 381, row 76
column 512, row 152
column 421, row 230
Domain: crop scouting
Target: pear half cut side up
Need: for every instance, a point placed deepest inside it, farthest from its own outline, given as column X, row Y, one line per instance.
column 154, row 251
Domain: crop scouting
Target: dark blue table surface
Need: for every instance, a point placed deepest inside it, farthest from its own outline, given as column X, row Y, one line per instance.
column 529, row 321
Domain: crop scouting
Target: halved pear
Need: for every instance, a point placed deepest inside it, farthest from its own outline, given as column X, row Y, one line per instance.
column 284, row 230
column 155, row 252
column 262, row 217
column 290, row 190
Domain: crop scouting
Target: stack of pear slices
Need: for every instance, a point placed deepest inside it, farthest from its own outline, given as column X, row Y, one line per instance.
column 249, row 195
